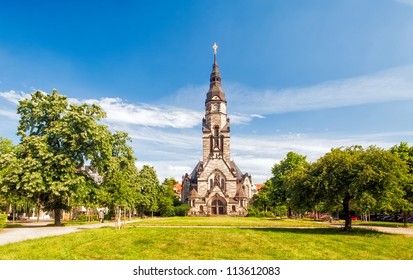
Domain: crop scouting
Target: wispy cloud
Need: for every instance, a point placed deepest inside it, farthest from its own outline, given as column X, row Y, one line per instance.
column 407, row 2
column 13, row 96
column 119, row 111
column 256, row 155
column 391, row 85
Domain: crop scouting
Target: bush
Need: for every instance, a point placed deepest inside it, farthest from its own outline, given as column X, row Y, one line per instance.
column 259, row 214
column 3, row 220
column 168, row 211
column 83, row 218
column 182, row 210
column 252, row 212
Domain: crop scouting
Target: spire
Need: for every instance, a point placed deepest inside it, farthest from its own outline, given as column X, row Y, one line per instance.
column 215, row 80
column 215, row 47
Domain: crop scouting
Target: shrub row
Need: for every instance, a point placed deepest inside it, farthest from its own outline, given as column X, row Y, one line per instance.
column 259, row 214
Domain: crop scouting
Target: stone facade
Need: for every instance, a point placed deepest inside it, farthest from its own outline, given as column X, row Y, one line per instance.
column 216, row 186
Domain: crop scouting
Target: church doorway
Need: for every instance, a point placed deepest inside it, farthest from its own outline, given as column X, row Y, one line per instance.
column 218, row 207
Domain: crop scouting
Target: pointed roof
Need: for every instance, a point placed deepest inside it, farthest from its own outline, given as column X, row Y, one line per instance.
column 215, row 89
column 193, row 194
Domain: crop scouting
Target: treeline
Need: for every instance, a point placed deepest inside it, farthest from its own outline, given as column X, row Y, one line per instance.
column 345, row 179
column 58, row 140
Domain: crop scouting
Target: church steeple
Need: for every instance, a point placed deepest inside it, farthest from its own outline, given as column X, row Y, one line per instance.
column 215, row 89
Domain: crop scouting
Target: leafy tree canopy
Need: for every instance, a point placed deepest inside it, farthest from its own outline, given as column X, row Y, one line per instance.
column 57, row 140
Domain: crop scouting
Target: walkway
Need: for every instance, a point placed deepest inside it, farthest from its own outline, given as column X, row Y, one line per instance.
column 37, row 230
column 391, row 230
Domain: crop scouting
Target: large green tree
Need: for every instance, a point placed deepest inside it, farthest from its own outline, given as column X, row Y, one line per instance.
column 167, row 198
column 278, row 190
column 346, row 175
column 405, row 153
column 6, row 149
column 57, row 140
column 120, row 185
column 150, row 189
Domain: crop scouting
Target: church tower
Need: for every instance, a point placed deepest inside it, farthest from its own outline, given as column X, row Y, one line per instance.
column 216, row 186
column 215, row 125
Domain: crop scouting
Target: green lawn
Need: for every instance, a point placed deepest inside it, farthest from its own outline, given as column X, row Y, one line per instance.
column 225, row 221
column 154, row 239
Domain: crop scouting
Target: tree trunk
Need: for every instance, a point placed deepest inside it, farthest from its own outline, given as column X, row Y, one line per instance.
column 57, row 217
column 347, row 217
column 289, row 213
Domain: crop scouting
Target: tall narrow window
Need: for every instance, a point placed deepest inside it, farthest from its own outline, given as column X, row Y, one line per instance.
column 216, row 139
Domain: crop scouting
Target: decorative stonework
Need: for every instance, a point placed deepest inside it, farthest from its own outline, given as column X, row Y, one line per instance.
column 216, row 186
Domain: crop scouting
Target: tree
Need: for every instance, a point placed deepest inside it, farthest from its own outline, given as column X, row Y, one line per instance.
column 279, row 187
column 57, row 139
column 6, row 146
column 8, row 165
column 405, row 153
column 120, row 184
column 150, row 189
column 346, row 175
column 261, row 200
column 167, row 198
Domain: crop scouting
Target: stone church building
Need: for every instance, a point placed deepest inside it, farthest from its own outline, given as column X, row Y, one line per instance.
column 216, row 186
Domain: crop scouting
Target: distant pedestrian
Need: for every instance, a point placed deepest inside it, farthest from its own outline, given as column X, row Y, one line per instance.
column 101, row 216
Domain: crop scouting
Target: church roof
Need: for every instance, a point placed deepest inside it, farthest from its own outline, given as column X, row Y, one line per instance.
column 194, row 173
column 238, row 172
column 193, row 193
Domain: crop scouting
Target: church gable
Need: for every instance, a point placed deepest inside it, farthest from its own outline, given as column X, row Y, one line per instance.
column 216, row 165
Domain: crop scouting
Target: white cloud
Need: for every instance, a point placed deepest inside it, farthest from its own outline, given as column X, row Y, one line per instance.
column 13, row 96
column 256, row 155
column 9, row 114
column 119, row 111
column 391, row 85
column 407, row 2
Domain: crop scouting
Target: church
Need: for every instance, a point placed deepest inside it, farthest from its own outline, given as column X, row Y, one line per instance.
column 216, row 186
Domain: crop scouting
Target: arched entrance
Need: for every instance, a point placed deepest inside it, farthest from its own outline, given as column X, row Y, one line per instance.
column 218, row 207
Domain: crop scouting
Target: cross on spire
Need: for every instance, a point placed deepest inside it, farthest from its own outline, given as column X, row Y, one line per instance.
column 215, row 47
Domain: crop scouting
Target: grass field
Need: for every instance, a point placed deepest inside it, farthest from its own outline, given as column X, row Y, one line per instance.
column 208, row 239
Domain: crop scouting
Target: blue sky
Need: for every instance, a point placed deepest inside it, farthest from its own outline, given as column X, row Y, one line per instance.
column 299, row 76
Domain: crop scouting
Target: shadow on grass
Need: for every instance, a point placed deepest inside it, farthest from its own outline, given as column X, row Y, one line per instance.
column 322, row 231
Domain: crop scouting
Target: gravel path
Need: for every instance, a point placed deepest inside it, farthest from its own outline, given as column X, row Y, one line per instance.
column 392, row 230
column 37, row 230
